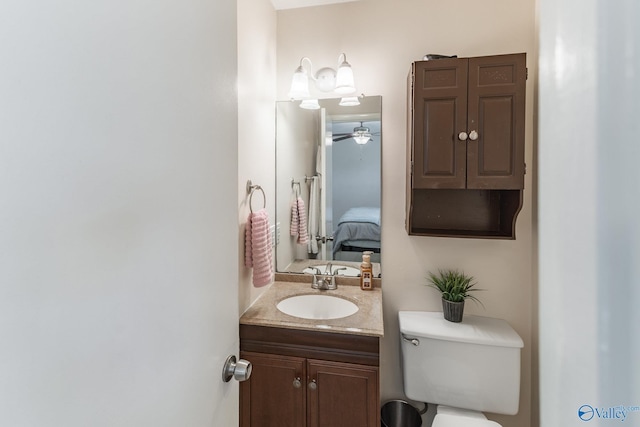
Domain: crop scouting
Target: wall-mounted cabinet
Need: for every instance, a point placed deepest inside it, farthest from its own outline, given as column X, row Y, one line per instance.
column 465, row 154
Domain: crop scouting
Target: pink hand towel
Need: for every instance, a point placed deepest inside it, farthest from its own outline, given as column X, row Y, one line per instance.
column 298, row 225
column 258, row 248
column 303, row 236
column 248, row 251
column 295, row 219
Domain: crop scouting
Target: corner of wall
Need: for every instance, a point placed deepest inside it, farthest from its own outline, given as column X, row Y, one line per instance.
column 256, row 121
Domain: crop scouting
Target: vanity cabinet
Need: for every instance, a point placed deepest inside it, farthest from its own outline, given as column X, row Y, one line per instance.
column 274, row 395
column 465, row 154
column 307, row 378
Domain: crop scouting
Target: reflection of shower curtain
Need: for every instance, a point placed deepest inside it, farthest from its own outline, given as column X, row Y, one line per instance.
column 314, row 215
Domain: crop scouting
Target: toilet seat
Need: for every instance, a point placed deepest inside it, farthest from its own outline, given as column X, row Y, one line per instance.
column 459, row 412
column 448, row 416
column 448, row 420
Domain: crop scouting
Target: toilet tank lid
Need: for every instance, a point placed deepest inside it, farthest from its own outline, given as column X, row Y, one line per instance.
column 472, row 329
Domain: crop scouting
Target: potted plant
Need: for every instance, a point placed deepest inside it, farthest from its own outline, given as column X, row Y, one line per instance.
column 455, row 287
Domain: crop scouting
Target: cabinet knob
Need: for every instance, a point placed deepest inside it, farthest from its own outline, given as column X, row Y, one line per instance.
column 313, row 385
column 297, row 383
column 473, row 135
column 462, row 136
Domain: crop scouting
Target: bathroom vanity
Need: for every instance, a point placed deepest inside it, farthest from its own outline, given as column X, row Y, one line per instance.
column 311, row 372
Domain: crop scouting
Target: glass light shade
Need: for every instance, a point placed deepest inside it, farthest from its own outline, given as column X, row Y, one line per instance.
column 349, row 101
column 310, row 104
column 344, row 79
column 361, row 140
column 299, row 84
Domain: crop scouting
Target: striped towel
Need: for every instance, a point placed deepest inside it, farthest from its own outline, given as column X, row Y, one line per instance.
column 295, row 219
column 299, row 221
column 257, row 250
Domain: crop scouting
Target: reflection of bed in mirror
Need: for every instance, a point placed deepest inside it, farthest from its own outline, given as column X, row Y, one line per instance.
column 358, row 230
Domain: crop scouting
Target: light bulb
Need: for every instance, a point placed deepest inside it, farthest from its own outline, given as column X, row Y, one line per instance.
column 361, row 140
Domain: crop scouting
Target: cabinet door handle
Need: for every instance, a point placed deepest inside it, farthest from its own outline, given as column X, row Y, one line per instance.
column 473, row 135
column 313, row 385
column 462, row 136
column 297, row 383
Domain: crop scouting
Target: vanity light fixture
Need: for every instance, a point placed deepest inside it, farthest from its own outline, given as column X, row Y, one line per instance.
column 310, row 104
column 349, row 101
column 326, row 79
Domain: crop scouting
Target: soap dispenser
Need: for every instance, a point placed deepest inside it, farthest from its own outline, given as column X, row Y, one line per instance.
column 366, row 272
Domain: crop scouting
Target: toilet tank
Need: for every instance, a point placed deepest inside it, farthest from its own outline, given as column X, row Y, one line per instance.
column 472, row 365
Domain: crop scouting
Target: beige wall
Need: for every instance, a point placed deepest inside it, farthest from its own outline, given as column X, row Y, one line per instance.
column 256, row 122
column 381, row 38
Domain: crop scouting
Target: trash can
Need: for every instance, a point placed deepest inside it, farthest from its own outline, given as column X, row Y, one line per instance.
column 398, row 413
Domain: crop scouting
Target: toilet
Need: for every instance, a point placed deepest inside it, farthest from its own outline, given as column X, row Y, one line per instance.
column 465, row 368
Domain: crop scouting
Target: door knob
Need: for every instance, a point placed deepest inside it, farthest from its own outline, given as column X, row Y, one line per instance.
column 462, row 136
column 238, row 369
column 473, row 135
column 297, row 383
column 313, row 385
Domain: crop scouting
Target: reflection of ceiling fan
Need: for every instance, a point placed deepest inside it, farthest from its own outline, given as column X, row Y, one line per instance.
column 360, row 134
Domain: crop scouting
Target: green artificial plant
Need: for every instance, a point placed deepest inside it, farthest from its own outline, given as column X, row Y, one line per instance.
column 454, row 285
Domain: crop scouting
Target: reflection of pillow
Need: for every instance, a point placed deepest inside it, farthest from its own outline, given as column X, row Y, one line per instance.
column 361, row 214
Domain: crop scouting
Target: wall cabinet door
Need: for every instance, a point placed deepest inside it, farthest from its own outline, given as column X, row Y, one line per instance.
column 439, row 113
column 342, row 395
column 496, row 113
column 275, row 394
column 467, row 123
column 286, row 391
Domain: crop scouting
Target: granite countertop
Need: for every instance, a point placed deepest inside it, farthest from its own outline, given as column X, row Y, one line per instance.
column 366, row 321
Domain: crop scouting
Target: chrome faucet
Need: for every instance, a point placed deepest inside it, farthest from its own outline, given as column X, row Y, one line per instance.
column 327, row 269
column 318, row 279
column 335, row 272
column 326, row 281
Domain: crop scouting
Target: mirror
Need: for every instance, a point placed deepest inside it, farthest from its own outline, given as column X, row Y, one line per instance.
column 328, row 183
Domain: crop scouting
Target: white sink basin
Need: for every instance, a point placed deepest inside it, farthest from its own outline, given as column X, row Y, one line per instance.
column 349, row 271
column 317, row 307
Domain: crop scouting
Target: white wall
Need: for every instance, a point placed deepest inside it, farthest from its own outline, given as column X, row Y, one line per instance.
column 118, row 164
column 589, row 203
column 356, row 176
column 298, row 135
column 381, row 38
column 256, row 122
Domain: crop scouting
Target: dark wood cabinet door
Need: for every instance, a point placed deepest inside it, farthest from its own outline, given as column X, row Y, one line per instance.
column 273, row 397
column 343, row 395
column 496, row 112
column 439, row 114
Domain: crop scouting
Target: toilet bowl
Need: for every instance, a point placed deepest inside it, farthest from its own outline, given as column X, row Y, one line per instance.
column 464, row 368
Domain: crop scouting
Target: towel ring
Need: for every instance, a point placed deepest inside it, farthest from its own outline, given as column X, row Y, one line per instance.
column 295, row 185
column 250, row 189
